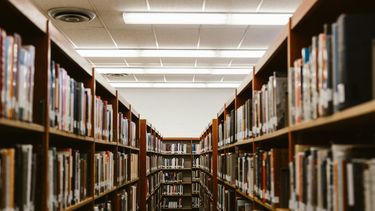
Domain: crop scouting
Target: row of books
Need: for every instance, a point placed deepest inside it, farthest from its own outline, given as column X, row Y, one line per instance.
column 271, row 176
column 127, row 167
column 243, row 204
column 244, row 121
column 340, row 177
column 205, row 162
column 104, row 206
column 153, row 202
column 270, row 110
column 17, row 70
column 127, row 133
column 173, row 163
column 18, row 169
column 227, row 129
column 196, row 187
column 103, row 120
column 196, row 148
column 171, row 202
column 173, row 177
column 195, row 174
column 226, row 168
column 323, row 81
column 226, row 198
column 175, row 189
column 153, row 182
column 68, row 176
column 196, row 162
column 195, row 202
column 206, row 143
column 175, row 148
column 126, row 199
column 206, row 181
column 69, row 102
column 105, row 171
column 153, row 163
column 153, row 143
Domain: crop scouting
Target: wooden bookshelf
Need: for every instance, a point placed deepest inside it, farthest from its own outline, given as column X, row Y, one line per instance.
column 341, row 127
column 21, row 17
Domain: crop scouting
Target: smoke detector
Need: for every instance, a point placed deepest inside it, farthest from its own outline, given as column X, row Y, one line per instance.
column 71, row 15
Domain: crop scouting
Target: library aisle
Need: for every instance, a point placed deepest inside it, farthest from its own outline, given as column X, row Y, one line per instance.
column 297, row 134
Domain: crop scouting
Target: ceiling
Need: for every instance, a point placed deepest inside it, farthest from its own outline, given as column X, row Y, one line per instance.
column 108, row 31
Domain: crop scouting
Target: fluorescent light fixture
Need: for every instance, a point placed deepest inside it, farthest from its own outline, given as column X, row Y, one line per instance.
column 174, row 85
column 170, row 71
column 206, row 18
column 180, row 53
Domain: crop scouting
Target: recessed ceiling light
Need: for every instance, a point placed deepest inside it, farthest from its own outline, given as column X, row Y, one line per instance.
column 180, row 53
column 206, row 18
column 168, row 71
column 174, row 85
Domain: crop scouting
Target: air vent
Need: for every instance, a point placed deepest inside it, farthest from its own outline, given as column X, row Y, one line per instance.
column 116, row 75
column 71, row 15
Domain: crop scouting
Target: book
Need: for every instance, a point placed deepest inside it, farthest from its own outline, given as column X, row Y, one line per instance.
column 104, row 168
column 103, row 120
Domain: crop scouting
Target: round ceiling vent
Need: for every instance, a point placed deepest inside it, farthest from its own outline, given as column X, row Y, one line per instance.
column 71, row 15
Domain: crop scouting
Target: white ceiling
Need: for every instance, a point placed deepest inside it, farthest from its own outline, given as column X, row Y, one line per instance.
column 108, row 31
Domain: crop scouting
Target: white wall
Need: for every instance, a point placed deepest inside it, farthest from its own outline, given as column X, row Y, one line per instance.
column 178, row 112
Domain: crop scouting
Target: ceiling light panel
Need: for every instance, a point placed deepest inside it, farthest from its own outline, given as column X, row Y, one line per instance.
column 180, row 53
column 172, row 71
column 175, row 85
column 271, row 19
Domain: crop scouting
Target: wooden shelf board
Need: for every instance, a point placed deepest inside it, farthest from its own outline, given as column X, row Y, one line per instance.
column 226, row 183
column 57, row 132
column 171, row 169
column 153, row 172
column 245, row 83
column 168, row 195
column 176, row 183
column 302, row 11
column 128, row 147
column 273, row 135
column 205, row 171
column 97, row 141
column 128, row 183
column 167, row 154
column 149, row 196
column 349, row 114
column 32, row 127
column 79, row 204
column 238, row 143
column 105, row 193
column 104, row 83
column 182, row 208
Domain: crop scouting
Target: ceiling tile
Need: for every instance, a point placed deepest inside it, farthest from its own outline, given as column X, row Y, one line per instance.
column 107, row 60
column 279, row 5
column 172, row 62
column 244, row 62
column 260, row 37
column 231, row 5
column 139, row 37
column 46, row 5
column 208, row 78
column 176, row 5
column 177, row 36
column 218, row 37
column 234, row 78
column 213, row 62
column 139, row 62
column 90, row 38
column 179, row 78
column 121, row 6
column 150, row 78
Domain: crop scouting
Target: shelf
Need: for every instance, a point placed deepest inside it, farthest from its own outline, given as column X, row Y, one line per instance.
column 258, row 201
column 156, row 189
column 205, row 171
column 79, row 204
column 171, row 195
column 209, row 151
column 182, row 208
column 175, row 183
column 128, row 147
column 180, row 169
column 226, row 183
column 57, row 132
column 105, row 193
column 105, row 142
column 167, row 154
column 277, row 134
column 238, row 143
column 8, row 125
column 363, row 113
column 153, row 172
column 128, row 183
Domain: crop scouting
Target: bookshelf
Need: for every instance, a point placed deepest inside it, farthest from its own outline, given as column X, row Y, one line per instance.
column 177, row 184
column 288, row 141
column 54, row 141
